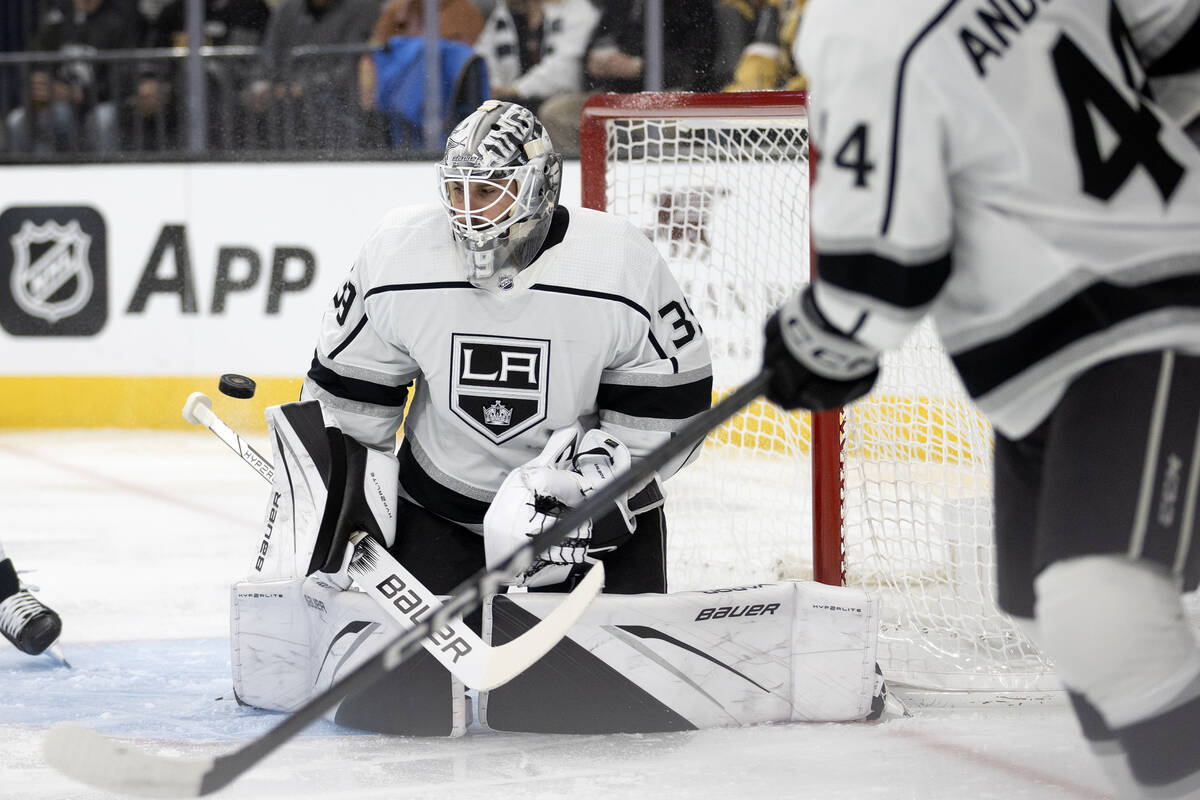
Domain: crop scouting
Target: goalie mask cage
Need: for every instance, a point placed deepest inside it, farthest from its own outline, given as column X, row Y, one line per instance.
column 896, row 488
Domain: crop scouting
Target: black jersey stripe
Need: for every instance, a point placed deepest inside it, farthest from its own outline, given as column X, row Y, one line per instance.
column 657, row 402
column 418, row 287
column 1096, row 308
column 362, row 323
column 896, row 103
column 911, row 286
column 435, row 497
column 614, row 298
column 356, row 390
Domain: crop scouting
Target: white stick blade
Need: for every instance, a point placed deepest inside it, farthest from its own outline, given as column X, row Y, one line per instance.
column 96, row 760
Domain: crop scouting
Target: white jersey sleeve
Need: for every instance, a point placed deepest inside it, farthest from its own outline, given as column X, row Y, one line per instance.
column 361, row 377
column 1003, row 167
column 662, row 377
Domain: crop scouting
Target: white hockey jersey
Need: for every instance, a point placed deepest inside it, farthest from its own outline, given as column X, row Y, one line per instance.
column 595, row 330
column 999, row 164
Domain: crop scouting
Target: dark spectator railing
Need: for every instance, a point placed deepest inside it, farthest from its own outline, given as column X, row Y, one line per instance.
column 132, row 105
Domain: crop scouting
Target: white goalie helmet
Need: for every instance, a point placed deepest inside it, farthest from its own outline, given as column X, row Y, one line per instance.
column 503, row 148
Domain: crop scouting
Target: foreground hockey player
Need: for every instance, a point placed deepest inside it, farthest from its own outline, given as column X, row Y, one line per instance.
column 24, row 620
column 1004, row 167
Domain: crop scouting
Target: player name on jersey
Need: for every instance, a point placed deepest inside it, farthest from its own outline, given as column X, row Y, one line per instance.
column 995, row 24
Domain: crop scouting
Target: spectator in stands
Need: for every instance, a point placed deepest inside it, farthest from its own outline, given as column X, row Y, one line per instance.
column 310, row 102
column 755, row 44
column 615, row 63
column 391, row 79
column 154, row 110
column 458, row 21
column 534, row 48
column 72, row 105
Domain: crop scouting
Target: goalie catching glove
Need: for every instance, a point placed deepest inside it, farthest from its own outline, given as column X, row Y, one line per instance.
column 327, row 486
column 537, row 493
column 814, row 365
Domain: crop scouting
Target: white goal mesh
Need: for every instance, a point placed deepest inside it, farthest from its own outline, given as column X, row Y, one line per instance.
column 720, row 183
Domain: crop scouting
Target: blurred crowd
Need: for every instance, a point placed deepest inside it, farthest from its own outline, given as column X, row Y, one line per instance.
column 107, row 77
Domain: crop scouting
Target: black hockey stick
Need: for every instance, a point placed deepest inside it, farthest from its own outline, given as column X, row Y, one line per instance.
column 474, row 662
column 99, row 761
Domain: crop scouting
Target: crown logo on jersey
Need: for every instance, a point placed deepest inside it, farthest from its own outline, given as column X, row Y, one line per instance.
column 497, row 414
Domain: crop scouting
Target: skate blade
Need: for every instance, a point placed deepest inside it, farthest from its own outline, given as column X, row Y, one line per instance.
column 55, row 653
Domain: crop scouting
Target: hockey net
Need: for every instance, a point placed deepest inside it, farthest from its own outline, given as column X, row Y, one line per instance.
column 902, row 479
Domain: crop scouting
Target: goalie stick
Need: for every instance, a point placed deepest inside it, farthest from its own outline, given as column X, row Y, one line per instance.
column 404, row 598
column 99, row 761
column 198, row 411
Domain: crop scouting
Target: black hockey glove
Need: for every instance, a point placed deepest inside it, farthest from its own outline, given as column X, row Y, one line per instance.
column 814, row 365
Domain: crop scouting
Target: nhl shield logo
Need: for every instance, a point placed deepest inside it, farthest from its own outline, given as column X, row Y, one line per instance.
column 58, row 282
column 498, row 383
column 52, row 271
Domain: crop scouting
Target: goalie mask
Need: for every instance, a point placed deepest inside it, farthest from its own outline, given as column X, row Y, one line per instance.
column 499, row 181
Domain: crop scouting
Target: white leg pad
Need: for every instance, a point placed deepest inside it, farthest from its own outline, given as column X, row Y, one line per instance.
column 784, row 652
column 292, row 639
column 1117, row 632
column 269, row 647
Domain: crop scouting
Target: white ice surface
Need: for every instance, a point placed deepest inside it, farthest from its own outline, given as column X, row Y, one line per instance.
column 135, row 537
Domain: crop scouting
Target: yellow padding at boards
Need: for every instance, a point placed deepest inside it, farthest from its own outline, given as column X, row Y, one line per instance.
column 130, row 401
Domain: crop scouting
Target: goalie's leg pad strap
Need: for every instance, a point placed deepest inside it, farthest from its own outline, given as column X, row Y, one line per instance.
column 292, row 639
column 767, row 653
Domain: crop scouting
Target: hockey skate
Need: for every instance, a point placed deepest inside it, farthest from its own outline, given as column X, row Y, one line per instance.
column 28, row 623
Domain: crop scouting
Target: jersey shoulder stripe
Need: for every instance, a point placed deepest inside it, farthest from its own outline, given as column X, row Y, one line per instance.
column 612, row 298
column 418, row 287
column 897, row 105
column 581, row 292
column 354, row 332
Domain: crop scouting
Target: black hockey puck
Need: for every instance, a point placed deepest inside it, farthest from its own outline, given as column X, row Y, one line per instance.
column 236, row 386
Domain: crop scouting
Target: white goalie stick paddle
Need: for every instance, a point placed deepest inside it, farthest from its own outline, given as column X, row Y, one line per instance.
column 99, row 761
column 406, row 600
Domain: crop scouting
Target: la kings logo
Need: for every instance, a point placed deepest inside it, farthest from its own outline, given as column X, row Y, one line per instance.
column 498, row 383
column 53, row 279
